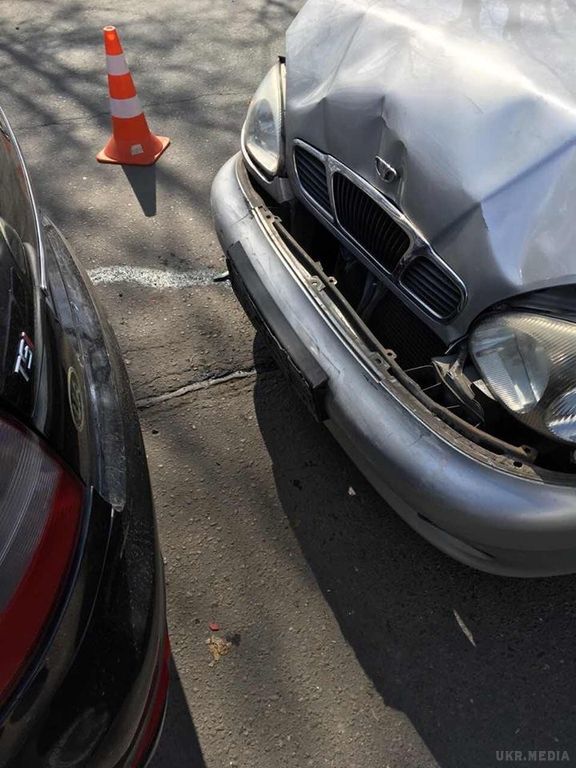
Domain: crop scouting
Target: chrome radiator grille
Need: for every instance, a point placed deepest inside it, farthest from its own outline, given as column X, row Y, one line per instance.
column 368, row 224
column 359, row 213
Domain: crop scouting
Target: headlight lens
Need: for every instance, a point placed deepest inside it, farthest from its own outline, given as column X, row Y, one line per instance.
column 514, row 364
column 529, row 363
column 263, row 127
column 561, row 416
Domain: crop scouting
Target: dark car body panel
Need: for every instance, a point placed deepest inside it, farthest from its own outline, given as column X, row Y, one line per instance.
column 84, row 697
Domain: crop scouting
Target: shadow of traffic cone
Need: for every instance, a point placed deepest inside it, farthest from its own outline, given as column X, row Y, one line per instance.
column 132, row 142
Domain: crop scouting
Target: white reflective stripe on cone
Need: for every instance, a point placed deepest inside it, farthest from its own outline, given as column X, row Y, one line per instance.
column 117, row 65
column 125, row 107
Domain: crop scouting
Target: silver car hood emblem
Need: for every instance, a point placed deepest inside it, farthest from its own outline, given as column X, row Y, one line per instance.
column 386, row 172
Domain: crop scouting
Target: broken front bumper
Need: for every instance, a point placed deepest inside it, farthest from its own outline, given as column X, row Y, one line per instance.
column 475, row 506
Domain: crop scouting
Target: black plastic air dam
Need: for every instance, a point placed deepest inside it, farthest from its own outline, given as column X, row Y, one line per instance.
column 298, row 365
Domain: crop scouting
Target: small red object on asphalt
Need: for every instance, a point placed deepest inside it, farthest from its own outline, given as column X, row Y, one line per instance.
column 214, row 626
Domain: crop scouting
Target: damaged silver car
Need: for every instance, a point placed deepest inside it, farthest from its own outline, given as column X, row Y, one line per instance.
column 401, row 224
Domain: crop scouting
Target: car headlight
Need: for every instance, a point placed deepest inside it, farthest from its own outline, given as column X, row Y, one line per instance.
column 528, row 361
column 262, row 134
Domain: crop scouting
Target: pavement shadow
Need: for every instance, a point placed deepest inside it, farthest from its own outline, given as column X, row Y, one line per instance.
column 179, row 746
column 479, row 664
column 142, row 179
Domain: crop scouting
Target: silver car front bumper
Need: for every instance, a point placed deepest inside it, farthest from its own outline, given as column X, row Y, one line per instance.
column 471, row 504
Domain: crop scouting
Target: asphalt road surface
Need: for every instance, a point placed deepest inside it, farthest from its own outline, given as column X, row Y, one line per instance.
column 354, row 644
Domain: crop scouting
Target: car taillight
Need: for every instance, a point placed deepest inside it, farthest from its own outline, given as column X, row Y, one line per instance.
column 40, row 505
column 155, row 706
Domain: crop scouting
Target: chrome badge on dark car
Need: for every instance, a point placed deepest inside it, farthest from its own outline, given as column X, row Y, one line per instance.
column 24, row 357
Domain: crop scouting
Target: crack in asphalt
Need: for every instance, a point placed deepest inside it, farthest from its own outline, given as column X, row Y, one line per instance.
column 149, row 402
column 156, row 278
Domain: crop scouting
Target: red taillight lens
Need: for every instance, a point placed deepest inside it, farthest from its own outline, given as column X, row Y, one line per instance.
column 40, row 504
column 154, row 706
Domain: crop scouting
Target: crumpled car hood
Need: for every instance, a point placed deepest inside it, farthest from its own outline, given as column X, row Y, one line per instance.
column 474, row 103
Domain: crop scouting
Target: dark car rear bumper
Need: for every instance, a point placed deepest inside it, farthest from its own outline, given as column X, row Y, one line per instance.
column 95, row 694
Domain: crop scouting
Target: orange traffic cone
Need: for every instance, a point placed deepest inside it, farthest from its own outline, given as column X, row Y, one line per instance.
column 132, row 142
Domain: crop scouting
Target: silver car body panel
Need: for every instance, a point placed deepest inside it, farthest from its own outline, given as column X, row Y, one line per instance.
column 468, row 502
column 474, row 105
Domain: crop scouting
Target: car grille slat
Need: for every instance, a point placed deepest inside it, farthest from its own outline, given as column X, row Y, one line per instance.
column 435, row 281
column 314, row 188
column 312, row 175
column 432, row 281
column 369, row 224
column 422, row 287
column 313, row 182
column 373, row 231
column 433, row 286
